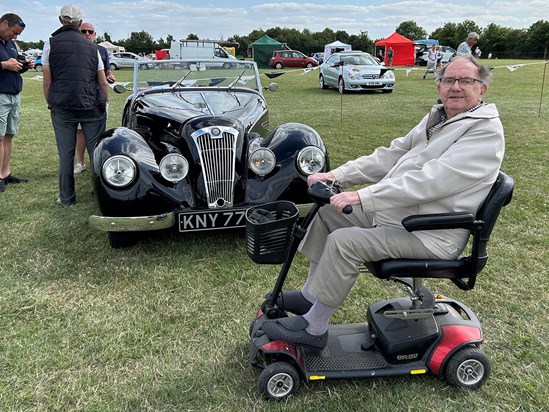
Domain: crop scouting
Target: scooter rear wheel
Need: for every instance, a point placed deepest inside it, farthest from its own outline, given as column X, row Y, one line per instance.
column 468, row 368
column 278, row 381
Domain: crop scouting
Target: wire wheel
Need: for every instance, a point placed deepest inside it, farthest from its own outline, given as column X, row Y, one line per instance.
column 468, row 368
column 278, row 381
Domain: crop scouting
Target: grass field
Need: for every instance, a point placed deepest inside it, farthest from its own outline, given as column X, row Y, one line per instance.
column 164, row 326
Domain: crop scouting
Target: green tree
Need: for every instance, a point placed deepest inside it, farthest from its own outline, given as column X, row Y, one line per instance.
column 139, row 42
column 411, row 30
column 538, row 39
column 446, row 35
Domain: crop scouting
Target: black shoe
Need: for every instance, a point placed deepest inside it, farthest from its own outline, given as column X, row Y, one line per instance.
column 292, row 330
column 2, row 189
column 292, row 301
column 14, row 179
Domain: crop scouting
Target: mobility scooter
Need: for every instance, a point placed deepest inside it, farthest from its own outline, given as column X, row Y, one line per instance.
column 414, row 335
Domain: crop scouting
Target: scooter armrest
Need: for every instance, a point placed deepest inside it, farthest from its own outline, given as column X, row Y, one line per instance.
column 436, row 221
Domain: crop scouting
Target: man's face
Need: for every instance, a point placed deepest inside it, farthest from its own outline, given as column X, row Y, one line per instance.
column 8, row 33
column 457, row 98
column 88, row 31
column 471, row 41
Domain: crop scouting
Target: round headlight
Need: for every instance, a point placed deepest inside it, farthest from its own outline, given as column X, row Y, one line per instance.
column 310, row 160
column 262, row 161
column 174, row 167
column 119, row 171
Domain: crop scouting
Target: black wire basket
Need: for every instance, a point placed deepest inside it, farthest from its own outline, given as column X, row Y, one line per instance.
column 270, row 231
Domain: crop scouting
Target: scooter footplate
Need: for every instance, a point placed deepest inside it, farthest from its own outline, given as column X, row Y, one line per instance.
column 344, row 352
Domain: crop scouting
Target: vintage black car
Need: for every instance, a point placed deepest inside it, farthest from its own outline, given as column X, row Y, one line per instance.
column 196, row 150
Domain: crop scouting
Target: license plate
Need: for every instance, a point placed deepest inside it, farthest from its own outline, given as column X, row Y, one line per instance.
column 211, row 219
column 375, row 83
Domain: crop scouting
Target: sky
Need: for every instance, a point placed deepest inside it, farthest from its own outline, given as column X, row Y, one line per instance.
column 219, row 20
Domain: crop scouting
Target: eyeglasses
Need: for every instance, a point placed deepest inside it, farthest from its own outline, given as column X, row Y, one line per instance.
column 87, row 31
column 464, row 81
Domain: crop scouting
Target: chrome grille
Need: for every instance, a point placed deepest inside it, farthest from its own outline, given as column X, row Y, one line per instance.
column 371, row 76
column 217, row 150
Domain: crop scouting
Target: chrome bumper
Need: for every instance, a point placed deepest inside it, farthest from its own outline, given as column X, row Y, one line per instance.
column 132, row 224
column 146, row 223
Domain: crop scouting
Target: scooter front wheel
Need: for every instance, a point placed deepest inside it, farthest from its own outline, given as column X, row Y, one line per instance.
column 468, row 368
column 278, row 381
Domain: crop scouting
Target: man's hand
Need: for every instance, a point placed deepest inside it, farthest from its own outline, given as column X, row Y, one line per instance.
column 343, row 199
column 12, row 64
column 320, row 177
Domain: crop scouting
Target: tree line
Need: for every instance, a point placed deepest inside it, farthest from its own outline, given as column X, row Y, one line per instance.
column 501, row 42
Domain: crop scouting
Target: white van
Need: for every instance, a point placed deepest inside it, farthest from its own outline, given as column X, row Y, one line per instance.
column 198, row 49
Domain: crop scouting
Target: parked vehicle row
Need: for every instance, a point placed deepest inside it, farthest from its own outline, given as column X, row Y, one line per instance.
column 291, row 58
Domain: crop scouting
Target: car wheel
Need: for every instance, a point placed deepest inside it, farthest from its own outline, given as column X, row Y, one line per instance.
column 278, row 381
column 321, row 82
column 119, row 240
column 113, row 67
column 278, row 65
column 341, row 85
column 144, row 66
column 309, row 65
column 226, row 65
column 469, row 368
column 38, row 67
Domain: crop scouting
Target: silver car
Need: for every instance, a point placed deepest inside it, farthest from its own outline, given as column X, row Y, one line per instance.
column 127, row 60
column 355, row 71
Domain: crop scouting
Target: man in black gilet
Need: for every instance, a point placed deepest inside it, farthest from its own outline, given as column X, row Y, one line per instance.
column 76, row 90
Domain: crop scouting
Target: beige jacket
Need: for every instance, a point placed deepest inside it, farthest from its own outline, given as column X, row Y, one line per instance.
column 450, row 172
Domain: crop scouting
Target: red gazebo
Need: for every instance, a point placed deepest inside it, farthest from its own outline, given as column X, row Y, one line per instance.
column 403, row 50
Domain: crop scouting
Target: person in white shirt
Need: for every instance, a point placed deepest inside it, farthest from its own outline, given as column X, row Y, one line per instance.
column 465, row 46
column 431, row 61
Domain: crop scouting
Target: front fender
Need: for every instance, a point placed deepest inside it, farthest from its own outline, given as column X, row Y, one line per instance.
column 286, row 181
column 149, row 193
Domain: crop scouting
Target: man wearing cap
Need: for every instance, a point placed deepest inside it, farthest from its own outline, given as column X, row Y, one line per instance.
column 76, row 90
column 11, row 84
column 470, row 41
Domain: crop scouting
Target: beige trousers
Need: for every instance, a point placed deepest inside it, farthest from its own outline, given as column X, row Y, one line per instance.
column 340, row 243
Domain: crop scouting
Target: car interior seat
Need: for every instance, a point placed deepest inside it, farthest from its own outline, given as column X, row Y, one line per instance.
column 462, row 271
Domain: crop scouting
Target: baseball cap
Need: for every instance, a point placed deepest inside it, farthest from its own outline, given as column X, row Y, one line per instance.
column 71, row 13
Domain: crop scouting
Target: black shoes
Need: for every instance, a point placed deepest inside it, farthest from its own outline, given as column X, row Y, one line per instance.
column 292, row 330
column 2, row 188
column 11, row 179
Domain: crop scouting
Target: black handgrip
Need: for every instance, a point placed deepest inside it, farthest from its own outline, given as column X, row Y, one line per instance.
column 348, row 209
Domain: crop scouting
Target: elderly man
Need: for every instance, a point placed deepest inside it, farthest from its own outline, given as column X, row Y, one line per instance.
column 76, row 90
column 11, row 84
column 470, row 41
column 447, row 163
column 89, row 33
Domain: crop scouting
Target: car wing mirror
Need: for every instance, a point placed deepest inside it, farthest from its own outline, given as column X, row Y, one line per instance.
column 273, row 87
column 120, row 88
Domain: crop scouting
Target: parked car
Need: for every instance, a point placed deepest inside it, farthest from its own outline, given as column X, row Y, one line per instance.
column 355, row 71
column 291, row 58
column 196, row 150
column 127, row 59
column 319, row 57
column 38, row 63
column 447, row 53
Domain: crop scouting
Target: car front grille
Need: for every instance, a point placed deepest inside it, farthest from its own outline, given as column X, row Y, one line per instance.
column 217, row 150
column 371, row 76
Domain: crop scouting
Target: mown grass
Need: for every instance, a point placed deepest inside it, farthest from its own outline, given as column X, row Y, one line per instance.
column 163, row 326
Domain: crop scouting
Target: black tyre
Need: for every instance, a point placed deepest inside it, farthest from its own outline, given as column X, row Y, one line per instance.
column 321, row 82
column 341, row 85
column 113, row 67
column 278, row 65
column 309, row 65
column 278, row 381
column 119, row 240
column 469, row 368
column 38, row 68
